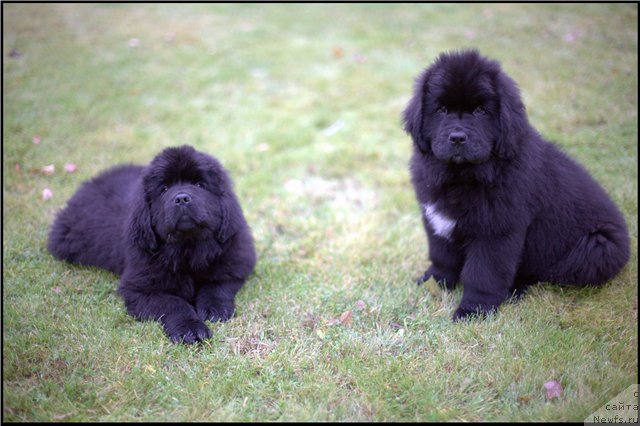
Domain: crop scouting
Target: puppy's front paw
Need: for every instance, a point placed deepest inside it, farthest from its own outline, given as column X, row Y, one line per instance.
column 462, row 314
column 479, row 312
column 221, row 312
column 188, row 331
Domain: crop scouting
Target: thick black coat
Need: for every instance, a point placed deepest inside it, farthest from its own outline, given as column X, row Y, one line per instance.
column 502, row 207
column 174, row 232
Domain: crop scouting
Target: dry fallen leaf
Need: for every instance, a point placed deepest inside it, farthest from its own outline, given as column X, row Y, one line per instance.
column 62, row 416
column 334, row 128
column 56, row 290
column 70, row 167
column 554, row 390
column 48, row 170
column 346, row 318
column 524, row 399
column 36, row 140
column 47, row 194
column 361, row 305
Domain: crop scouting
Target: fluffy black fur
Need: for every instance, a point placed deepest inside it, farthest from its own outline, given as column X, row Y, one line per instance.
column 175, row 233
column 502, row 207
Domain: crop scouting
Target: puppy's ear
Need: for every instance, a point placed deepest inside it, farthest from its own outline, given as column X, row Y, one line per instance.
column 216, row 174
column 230, row 212
column 412, row 116
column 139, row 226
column 230, row 217
column 514, row 124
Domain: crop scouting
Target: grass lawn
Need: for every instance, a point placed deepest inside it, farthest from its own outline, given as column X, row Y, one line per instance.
column 302, row 104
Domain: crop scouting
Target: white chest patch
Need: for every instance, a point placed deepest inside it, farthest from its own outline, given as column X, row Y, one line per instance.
column 441, row 224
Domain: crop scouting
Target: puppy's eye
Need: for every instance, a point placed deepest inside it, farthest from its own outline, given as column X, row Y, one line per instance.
column 479, row 111
column 200, row 184
column 442, row 110
column 164, row 189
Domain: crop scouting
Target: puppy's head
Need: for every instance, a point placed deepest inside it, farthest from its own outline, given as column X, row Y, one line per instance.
column 185, row 196
column 465, row 109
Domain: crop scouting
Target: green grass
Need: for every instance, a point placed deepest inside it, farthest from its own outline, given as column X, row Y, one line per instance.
column 334, row 216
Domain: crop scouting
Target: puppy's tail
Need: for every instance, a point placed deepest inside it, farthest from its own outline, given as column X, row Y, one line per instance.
column 57, row 244
column 596, row 258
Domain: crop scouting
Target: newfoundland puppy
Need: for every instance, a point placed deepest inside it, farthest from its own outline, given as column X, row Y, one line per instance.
column 502, row 207
column 174, row 232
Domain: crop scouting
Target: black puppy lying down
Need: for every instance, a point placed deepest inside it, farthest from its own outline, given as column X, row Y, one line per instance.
column 175, row 233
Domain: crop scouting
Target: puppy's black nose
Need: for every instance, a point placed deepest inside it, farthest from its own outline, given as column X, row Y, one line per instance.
column 182, row 198
column 458, row 138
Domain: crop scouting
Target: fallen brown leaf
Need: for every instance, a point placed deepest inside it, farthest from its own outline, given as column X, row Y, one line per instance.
column 47, row 194
column 346, row 318
column 48, row 169
column 554, row 390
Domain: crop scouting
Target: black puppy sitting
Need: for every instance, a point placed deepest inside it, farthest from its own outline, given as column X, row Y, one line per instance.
column 502, row 207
